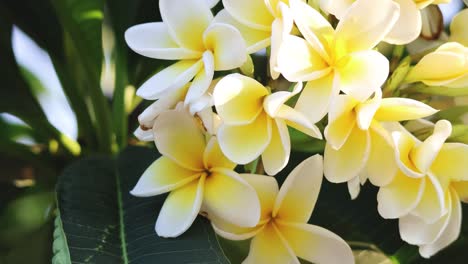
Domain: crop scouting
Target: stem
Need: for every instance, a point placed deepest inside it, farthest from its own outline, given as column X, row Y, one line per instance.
column 119, row 106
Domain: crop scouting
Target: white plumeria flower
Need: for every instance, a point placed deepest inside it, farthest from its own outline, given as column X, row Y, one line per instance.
column 459, row 28
column 197, row 175
column 261, row 22
column 332, row 60
column 189, row 34
column 283, row 233
column 255, row 122
column 357, row 141
column 447, row 182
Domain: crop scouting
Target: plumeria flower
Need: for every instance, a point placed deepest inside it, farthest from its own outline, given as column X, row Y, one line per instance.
column 357, row 141
column 406, row 29
column 261, row 22
column 188, row 34
column 283, row 233
column 459, row 28
column 197, row 175
column 332, row 60
column 447, row 66
column 255, row 122
column 446, row 182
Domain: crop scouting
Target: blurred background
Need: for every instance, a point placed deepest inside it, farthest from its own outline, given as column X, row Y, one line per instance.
column 32, row 154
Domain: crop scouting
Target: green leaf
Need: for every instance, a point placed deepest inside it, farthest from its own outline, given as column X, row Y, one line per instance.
column 100, row 222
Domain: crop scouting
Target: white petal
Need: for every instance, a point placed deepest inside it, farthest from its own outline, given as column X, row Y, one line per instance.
column 316, row 97
column 347, row 162
column 228, row 46
column 163, row 176
column 179, row 137
column 404, row 143
column 231, row 198
column 432, row 205
column 186, row 21
column 144, row 135
column 450, row 163
column 180, row 209
column 363, row 73
column 365, row 24
column 298, row 194
column 281, row 28
column 173, row 77
column 400, row 196
column 416, row 231
column 408, row 26
column 365, row 111
column 316, row 244
column 202, row 80
column 212, row 3
column 153, row 40
column 254, row 39
column 354, row 187
column 252, row 13
column 276, row 155
column 399, row 109
column 424, row 154
column 341, row 120
column 451, row 232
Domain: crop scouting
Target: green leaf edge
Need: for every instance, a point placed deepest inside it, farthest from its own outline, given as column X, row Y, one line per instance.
column 61, row 254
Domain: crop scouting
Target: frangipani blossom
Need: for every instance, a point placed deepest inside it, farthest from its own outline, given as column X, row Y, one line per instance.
column 261, row 22
column 432, row 225
column 283, row 233
column 197, row 175
column 447, row 66
column 357, row 141
column 332, row 60
column 406, row 29
column 188, row 34
column 255, row 122
column 459, row 28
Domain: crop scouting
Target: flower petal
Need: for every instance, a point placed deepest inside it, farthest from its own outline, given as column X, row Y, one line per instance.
column 228, row 46
column 213, row 157
column 408, row 26
column 254, row 39
column 186, row 21
column 450, row 163
column 450, row 233
column 381, row 166
column 173, row 77
column 354, row 187
column 432, row 205
column 252, row 13
column 351, row 157
column 365, row 111
column 212, row 3
column 417, row 231
column 363, row 73
column 256, row 135
column 365, row 24
column 178, row 137
column 167, row 101
column 314, row 27
column 281, row 28
column 153, row 40
column 461, row 188
column 180, row 209
column 231, row 198
column 316, row 244
column 298, row 194
column 424, row 154
column 458, row 32
column 316, row 97
column 267, row 190
column 163, row 176
column 276, row 155
column 298, row 61
column 144, row 135
column 341, row 121
column 399, row 109
column 202, row 80
column 400, row 196
column 404, row 143
column 238, row 99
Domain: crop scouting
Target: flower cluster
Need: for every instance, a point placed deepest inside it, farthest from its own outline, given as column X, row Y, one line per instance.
column 335, row 78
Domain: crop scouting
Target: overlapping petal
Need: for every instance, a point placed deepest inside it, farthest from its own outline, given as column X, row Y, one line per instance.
column 459, row 29
column 433, row 204
column 381, row 167
column 450, row 163
column 186, row 21
column 213, row 157
column 170, row 133
column 252, row 13
column 276, row 155
column 202, row 80
column 316, row 244
column 231, row 198
column 180, row 209
column 298, row 194
column 163, row 176
column 341, row 121
column 399, row 109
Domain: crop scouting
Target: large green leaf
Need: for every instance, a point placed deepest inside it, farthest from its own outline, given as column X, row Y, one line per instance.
column 100, row 222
